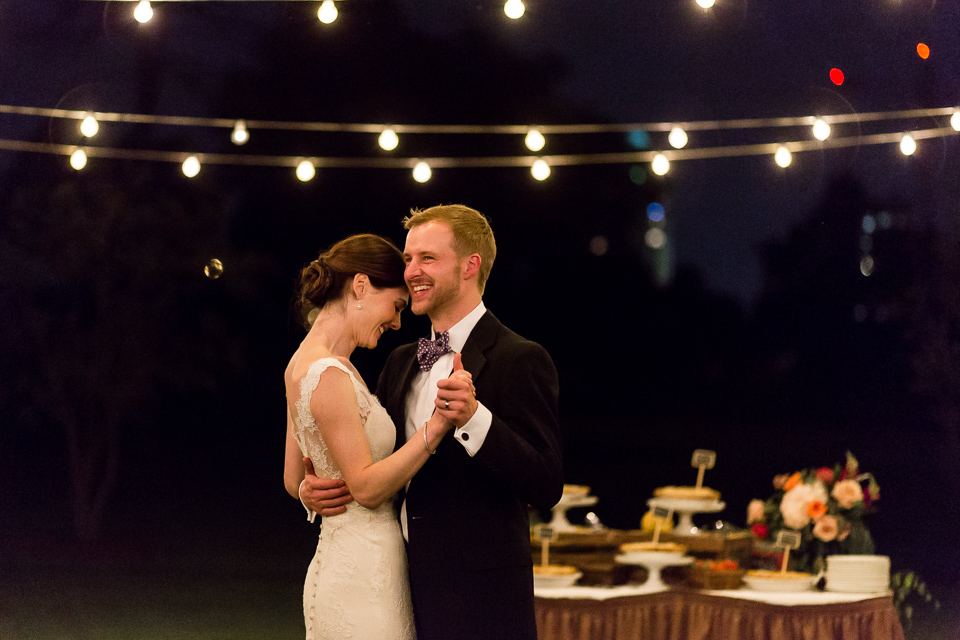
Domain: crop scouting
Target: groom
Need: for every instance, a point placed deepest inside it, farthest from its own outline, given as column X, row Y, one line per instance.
column 465, row 512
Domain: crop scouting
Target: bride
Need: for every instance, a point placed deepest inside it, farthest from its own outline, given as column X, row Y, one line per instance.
column 356, row 585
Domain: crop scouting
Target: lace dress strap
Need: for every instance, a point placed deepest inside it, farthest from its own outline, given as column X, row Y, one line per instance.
column 308, row 435
column 310, row 381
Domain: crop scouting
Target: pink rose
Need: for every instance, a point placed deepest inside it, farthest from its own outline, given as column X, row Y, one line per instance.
column 795, row 503
column 780, row 480
column 755, row 511
column 825, row 475
column 847, row 493
column 826, row 528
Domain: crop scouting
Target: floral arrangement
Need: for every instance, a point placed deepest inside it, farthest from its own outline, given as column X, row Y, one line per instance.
column 826, row 505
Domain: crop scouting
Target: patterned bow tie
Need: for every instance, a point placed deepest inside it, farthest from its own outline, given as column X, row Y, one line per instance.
column 429, row 351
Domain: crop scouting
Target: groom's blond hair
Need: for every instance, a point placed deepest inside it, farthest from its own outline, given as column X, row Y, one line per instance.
column 471, row 233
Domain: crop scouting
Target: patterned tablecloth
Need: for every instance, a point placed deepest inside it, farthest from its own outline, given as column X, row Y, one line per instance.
column 631, row 611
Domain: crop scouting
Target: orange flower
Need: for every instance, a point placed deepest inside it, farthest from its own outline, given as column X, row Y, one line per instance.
column 816, row 509
column 792, row 481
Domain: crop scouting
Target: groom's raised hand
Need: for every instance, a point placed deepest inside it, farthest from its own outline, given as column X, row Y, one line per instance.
column 326, row 496
column 456, row 396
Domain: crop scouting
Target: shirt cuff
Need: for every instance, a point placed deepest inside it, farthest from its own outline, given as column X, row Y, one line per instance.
column 311, row 514
column 472, row 434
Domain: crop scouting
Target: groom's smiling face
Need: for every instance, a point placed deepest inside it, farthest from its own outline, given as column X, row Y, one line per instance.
column 433, row 269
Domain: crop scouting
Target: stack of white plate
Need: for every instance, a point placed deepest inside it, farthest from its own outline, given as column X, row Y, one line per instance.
column 858, row 574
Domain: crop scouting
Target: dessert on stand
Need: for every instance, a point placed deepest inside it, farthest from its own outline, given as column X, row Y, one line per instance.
column 686, row 501
column 574, row 495
column 685, row 508
column 654, row 556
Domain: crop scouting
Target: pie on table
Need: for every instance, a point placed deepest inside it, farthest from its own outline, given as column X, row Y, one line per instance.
column 687, row 493
column 660, row 547
column 554, row 570
column 575, row 490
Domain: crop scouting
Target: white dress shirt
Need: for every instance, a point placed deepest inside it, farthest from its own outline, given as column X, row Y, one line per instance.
column 423, row 393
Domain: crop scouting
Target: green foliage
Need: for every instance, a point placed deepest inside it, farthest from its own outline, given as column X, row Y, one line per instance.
column 912, row 598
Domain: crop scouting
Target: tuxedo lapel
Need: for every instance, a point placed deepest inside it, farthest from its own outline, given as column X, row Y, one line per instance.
column 481, row 338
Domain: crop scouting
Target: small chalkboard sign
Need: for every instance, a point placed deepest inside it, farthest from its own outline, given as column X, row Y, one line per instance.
column 547, row 533
column 660, row 515
column 788, row 540
column 703, row 459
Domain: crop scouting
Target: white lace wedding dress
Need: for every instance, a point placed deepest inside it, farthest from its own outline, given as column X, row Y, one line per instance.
column 356, row 586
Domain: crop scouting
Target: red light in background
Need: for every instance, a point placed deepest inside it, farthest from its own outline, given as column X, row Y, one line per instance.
column 836, row 76
column 923, row 51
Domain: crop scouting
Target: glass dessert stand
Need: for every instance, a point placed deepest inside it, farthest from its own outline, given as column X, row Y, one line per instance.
column 685, row 510
column 654, row 561
column 567, row 501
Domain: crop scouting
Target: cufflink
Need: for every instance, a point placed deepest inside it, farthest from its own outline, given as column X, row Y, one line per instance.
column 464, row 436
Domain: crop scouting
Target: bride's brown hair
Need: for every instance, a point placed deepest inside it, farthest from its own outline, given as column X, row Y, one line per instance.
column 327, row 278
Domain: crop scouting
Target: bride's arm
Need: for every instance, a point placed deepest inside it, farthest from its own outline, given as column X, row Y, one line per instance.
column 334, row 408
column 293, row 469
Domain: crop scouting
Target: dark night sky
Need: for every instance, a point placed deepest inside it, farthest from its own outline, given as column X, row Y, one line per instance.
column 609, row 60
column 627, row 62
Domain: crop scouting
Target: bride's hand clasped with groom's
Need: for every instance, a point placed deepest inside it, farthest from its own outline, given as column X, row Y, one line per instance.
column 456, row 402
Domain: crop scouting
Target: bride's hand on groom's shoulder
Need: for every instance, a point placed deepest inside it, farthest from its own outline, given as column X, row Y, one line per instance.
column 456, row 396
column 326, row 496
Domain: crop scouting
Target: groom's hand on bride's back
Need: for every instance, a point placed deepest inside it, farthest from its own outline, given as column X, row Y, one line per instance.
column 326, row 496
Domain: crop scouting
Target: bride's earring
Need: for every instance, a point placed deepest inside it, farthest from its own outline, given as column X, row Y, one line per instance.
column 359, row 306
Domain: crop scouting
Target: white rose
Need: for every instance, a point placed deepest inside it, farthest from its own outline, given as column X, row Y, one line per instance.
column 793, row 507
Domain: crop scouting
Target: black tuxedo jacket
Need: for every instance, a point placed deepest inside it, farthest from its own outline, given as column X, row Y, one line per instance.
column 469, row 548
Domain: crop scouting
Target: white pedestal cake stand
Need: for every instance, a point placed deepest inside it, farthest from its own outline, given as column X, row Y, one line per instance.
column 654, row 561
column 685, row 510
column 567, row 501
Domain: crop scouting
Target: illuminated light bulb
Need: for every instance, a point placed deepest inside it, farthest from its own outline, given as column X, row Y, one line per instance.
column 783, row 157
column 908, row 146
column 143, row 12
column 821, row 130
column 306, row 171
column 540, row 170
column 677, row 138
column 534, row 140
column 388, row 139
column 191, row 167
column 866, row 265
column 78, row 159
column 655, row 238
column 213, row 269
column 421, row 172
column 836, row 76
column 240, row 135
column 327, row 12
column 89, row 126
column 955, row 120
column 706, row 4
column 514, row 9
column 660, row 164
column 923, row 51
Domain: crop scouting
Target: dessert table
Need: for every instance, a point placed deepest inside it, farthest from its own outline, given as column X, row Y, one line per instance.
column 633, row 611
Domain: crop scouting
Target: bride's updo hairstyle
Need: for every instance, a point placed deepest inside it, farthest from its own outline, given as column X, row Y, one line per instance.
column 328, row 278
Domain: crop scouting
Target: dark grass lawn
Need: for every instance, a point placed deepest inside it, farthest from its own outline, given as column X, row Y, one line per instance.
column 208, row 601
column 148, row 604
